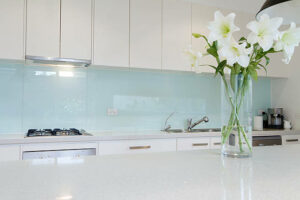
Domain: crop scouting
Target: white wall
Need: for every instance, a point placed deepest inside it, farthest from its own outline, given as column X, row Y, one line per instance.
column 286, row 92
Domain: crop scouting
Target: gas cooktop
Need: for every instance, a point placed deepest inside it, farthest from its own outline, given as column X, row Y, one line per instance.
column 55, row 132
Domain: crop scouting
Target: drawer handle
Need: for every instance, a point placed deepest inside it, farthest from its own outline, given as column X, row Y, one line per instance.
column 292, row 140
column 217, row 143
column 139, row 147
column 199, row 144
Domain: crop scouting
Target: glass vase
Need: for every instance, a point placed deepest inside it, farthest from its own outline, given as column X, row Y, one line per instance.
column 236, row 105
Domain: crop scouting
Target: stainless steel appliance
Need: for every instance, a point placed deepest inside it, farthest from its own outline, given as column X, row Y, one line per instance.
column 275, row 118
column 70, row 153
column 55, row 132
column 266, row 140
column 57, row 150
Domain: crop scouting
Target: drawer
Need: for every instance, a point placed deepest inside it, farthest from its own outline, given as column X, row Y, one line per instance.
column 290, row 139
column 215, row 142
column 136, row 146
column 186, row 144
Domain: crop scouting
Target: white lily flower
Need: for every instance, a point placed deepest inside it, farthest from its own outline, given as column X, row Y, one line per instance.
column 287, row 42
column 193, row 57
column 222, row 27
column 265, row 31
column 235, row 53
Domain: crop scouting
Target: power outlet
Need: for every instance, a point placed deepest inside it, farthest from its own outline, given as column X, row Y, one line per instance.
column 112, row 111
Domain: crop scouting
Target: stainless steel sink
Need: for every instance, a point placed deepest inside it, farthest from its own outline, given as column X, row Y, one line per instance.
column 204, row 130
column 174, row 131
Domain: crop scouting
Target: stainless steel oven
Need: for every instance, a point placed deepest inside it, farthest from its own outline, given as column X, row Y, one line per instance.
column 266, row 140
column 71, row 153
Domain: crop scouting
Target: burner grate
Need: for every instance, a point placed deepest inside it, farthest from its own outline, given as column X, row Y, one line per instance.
column 54, row 132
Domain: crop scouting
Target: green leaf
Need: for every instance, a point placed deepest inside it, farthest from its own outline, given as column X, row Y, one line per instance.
column 272, row 50
column 242, row 39
column 267, row 60
column 221, row 67
column 213, row 49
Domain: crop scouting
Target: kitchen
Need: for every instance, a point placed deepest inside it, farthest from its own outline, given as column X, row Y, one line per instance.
column 101, row 93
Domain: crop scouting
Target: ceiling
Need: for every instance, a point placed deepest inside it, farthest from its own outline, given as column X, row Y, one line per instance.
column 249, row 6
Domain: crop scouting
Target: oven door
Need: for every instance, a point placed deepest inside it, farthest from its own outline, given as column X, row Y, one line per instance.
column 70, row 153
column 266, row 140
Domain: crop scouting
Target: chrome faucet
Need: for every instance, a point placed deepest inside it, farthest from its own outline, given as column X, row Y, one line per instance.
column 168, row 127
column 192, row 125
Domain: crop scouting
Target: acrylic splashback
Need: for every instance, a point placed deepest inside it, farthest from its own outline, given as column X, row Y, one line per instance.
column 57, row 97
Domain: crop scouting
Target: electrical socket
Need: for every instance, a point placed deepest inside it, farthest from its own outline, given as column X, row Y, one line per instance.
column 112, row 111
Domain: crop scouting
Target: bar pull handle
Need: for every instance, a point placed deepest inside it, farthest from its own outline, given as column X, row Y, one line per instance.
column 139, row 147
column 292, row 140
column 199, row 144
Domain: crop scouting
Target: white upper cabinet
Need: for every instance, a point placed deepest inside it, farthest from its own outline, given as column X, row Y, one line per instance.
column 111, row 33
column 11, row 33
column 43, row 28
column 76, row 29
column 146, row 33
column 59, row 28
column 177, row 34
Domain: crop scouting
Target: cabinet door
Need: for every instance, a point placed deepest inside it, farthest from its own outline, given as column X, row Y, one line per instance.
column 201, row 16
column 145, row 33
column 188, row 144
column 290, row 139
column 136, row 146
column 43, row 28
column 76, row 29
column 11, row 34
column 177, row 34
column 111, row 33
column 215, row 142
column 9, row 152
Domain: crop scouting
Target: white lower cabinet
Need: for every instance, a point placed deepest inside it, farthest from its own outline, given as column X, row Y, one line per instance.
column 136, row 146
column 290, row 139
column 185, row 144
column 215, row 142
column 9, row 152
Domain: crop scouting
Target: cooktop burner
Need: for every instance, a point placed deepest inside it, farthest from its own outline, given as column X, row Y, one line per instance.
column 53, row 132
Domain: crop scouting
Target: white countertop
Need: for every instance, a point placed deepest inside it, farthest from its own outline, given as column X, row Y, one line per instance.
column 273, row 173
column 124, row 135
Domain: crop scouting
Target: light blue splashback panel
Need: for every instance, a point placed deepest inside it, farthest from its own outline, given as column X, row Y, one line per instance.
column 56, row 97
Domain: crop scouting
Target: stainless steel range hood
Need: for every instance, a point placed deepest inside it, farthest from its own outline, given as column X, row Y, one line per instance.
column 57, row 61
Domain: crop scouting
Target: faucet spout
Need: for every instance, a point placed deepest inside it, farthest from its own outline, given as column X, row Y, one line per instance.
column 192, row 125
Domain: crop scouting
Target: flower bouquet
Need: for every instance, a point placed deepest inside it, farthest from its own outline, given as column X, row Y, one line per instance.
column 242, row 59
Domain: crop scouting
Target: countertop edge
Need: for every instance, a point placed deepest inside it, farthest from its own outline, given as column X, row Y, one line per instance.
column 112, row 135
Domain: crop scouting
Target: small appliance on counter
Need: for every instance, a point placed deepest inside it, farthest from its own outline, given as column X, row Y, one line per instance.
column 274, row 119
